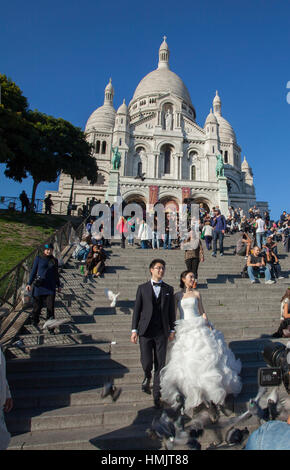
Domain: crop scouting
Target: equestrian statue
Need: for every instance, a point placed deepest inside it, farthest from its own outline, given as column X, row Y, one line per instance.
column 116, row 160
column 219, row 169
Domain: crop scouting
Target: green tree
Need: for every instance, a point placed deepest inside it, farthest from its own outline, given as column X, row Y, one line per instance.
column 58, row 146
column 33, row 143
column 14, row 129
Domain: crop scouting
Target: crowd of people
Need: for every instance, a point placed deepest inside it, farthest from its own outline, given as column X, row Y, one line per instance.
column 258, row 243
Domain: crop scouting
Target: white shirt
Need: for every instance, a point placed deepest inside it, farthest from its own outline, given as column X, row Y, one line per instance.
column 260, row 226
column 156, row 288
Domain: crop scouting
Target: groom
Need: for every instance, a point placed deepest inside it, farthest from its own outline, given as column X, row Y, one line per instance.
column 153, row 321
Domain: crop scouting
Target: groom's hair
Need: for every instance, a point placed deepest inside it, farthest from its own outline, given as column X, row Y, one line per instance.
column 155, row 261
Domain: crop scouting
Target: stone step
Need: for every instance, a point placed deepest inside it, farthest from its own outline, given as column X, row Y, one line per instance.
column 96, row 362
column 76, row 417
column 76, row 396
column 118, row 352
column 132, row 437
column 96, row 378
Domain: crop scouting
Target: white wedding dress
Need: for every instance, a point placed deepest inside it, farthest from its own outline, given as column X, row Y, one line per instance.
column 200, row 365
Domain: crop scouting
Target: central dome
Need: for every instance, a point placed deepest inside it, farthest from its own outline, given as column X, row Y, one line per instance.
column 162, row 80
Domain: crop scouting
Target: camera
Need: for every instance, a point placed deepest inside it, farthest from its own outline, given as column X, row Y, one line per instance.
column 277, row 356
column 38, row 281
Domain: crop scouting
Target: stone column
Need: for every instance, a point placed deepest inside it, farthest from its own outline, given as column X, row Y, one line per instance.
column 223, row 195
column 113, row 190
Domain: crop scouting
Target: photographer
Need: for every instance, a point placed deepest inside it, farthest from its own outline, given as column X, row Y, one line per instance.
column 274, row 434
column 45, row 279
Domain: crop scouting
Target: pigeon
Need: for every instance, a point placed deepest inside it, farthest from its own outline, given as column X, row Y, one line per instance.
column 111, row 296
column 53, row 323
column 110, row 389
column 19, row 344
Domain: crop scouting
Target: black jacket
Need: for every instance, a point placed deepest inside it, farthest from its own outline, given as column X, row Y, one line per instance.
column 143, row 308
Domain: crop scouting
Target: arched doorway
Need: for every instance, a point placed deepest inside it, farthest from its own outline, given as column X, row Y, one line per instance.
column 171, row 204
column 136, row 199
column 205, row 203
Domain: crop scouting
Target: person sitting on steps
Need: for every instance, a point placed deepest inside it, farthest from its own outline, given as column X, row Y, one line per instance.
column 256, row 264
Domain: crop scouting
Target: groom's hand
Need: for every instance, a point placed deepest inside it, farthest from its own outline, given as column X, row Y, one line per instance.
column 134, row 337
column 171, row 336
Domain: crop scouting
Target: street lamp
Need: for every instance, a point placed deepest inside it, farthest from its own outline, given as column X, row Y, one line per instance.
column 69, row 207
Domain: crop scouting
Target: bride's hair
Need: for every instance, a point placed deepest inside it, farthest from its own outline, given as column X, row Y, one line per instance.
column 182, row 276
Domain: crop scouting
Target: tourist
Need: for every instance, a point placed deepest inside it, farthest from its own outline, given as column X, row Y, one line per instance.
column 219, row 228
column 121, row 227
column 256, row 265
column 89, row 226
column 284, row 316
column 24, row 202
column 167, row 239
column 48, row 204
column 260, row 230
column 144, row 234
column 95, row 262
column 131, row 224
column 243, row 246
column 286, row 236
column 155, row 235
column 193, row 254
column 207, row 233
column 6, row 403
column 45, row 279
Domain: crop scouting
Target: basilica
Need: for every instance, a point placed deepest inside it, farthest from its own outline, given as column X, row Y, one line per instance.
column 165, row 155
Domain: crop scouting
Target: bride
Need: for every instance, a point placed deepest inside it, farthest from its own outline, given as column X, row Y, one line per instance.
column 201, row 367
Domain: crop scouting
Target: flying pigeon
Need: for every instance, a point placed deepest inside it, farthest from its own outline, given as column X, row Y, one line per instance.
column 53, row 323
column 111, row 296
column 110, row 389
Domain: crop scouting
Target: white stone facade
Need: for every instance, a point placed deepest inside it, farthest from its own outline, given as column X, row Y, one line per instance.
column 166, row 155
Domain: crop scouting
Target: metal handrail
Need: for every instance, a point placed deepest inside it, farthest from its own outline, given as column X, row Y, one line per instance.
column 13, row 282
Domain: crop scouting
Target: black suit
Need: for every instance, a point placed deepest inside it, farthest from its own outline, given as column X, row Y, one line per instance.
column 153, row 318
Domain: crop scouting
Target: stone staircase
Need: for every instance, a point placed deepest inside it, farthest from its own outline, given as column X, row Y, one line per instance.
column 56, row 381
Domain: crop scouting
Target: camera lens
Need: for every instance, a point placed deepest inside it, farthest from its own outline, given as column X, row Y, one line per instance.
column 273, row 354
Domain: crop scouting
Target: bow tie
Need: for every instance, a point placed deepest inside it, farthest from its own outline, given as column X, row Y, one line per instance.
column 157, row 284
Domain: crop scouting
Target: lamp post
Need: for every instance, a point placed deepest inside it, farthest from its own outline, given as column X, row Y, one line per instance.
column 71, row 197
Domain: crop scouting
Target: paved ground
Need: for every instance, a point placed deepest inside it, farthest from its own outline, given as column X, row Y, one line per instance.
column 57, row 380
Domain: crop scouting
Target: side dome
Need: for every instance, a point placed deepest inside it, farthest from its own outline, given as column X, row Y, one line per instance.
column 226, row 132
column 123, row 108
column 211, row 119
column 103, row 117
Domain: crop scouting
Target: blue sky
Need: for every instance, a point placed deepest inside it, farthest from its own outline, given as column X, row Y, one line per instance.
column 62, row 54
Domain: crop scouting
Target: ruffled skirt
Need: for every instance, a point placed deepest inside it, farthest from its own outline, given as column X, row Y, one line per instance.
column 200, row 366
